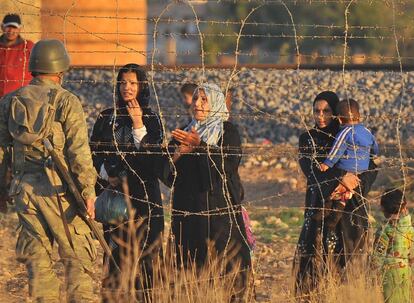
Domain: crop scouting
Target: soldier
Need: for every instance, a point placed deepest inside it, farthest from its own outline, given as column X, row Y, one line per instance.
column 43, row 109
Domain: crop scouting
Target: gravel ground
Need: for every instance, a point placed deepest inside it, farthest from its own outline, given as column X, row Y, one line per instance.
column 267, row 103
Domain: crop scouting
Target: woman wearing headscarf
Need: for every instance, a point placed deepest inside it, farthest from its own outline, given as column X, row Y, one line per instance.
column 203, row 169
column 121, row 139
column 315, row 240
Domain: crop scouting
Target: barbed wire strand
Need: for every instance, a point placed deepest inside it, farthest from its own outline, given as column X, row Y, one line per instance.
column 257, row 112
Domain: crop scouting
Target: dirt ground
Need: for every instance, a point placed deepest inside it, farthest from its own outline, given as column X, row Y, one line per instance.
column 274, row 198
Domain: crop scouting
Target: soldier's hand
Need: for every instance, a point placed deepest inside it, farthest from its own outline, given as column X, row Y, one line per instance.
column 90, row 207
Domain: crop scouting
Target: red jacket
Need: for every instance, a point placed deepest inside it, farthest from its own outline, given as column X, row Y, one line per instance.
column 14, row 62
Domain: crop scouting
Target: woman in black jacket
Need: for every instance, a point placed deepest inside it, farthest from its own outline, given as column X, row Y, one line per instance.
column 348, row 240
column 121, row 139
column 203, row 169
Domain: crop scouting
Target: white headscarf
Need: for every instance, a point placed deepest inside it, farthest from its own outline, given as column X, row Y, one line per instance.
column 211, row 129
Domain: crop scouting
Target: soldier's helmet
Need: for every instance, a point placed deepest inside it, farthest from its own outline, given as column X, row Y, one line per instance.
column 49, row 57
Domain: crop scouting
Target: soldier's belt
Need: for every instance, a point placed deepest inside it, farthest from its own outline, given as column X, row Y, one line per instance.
column 27, row 159
column 30, row 166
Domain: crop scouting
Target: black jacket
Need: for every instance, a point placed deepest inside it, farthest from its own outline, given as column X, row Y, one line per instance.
column 206, row 199
column 137, row 163
column 352, row 228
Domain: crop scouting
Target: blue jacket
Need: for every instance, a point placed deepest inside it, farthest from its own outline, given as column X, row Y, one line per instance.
column 352, row 148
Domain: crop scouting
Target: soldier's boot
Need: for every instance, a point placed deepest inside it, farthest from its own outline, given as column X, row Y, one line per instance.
column 43, row 282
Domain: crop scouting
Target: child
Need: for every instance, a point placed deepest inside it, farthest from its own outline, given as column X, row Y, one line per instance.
column 394, row 249
column 187, row 92
column 351, row 151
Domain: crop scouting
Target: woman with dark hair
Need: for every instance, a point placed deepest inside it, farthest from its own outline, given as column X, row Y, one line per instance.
column 207, row 219
column 121, row 139
column 348, row 239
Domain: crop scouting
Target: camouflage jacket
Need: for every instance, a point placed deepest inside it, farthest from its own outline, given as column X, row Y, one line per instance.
column 394, row 246
column 68, row 133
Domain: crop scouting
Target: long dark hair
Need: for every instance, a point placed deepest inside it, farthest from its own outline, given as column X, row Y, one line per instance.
column 144, row 94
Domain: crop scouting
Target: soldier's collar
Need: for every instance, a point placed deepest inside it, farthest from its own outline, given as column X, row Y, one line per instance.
column 41, row 81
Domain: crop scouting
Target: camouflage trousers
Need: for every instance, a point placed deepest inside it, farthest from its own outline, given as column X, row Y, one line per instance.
column 42, row 226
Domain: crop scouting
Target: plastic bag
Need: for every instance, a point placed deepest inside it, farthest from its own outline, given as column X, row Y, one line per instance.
column 251, row 239
column 111, row 207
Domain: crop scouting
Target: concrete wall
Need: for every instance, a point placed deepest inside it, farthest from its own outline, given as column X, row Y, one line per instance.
column 96, row 32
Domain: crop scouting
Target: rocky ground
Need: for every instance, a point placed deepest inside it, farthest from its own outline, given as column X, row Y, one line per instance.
column 267, row 103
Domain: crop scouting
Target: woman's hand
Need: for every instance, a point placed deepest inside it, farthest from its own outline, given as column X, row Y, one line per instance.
column 185, row 149
column 350, row 181
column 114, row 181
column 189, row 139
column 181, row 150
column 323, row 167
column 135, row 112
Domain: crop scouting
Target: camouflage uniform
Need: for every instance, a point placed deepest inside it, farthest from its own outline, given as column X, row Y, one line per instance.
column 36, row 194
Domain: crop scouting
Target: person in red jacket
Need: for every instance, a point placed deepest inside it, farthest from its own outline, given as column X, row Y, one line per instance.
column 14, row 56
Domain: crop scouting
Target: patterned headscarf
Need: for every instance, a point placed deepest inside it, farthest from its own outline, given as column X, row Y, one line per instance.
column 211, row 129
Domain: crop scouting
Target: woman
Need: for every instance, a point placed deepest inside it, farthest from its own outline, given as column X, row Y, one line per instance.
column 121, row 138
column 206, row 218
column 315, row 240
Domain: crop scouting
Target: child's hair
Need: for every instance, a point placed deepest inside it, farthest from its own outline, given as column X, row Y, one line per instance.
column 188, row 88
column 348, row 110
column 392, row 201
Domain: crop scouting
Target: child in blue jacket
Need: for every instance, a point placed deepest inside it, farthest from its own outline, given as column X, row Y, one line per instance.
column 352, row 150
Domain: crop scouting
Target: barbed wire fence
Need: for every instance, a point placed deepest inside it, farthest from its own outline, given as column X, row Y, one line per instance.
column 269, row 104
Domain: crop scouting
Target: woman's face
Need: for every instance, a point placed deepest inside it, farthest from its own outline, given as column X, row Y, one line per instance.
column 200, row 106
column 129, row 86
column 322, row 113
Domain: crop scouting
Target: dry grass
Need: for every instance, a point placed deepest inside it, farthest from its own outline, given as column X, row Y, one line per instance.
column 175, row 283
column 356, row 284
